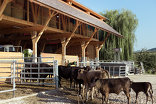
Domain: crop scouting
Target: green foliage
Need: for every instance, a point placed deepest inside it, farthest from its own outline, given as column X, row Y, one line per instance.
column 26, row 53
column 148, row 59
column 125, row 22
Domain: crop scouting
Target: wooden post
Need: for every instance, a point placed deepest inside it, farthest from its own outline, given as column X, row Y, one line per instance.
column 104, row 41
column 97, row 52
column 35, row 38
column 18, row 44
column 45, row 25
column 3, row 6
column 98, row 48
column 83, row 52
column 91, row 38
column 34, row 43
column 63, row 42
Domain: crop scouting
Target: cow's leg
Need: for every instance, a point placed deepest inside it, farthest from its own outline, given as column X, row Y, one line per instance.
column 106, row 98
column 103, row 99
column 87, row 93
column 136, row 98
column 128, row 96
column 71, row 82
column 59, row 81
column 92, row 95
column 79, row 88
column 151, row 96
column 83, row 91
column 146, row 98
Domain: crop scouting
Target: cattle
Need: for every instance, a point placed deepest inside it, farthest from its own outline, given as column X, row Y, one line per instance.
column 145, row 87
column 31, row 71
column 71, row 73
column 66, row 73
column 89, row 76
column 116, row 85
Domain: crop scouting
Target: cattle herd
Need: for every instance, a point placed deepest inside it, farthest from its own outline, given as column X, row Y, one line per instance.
column 97, row 81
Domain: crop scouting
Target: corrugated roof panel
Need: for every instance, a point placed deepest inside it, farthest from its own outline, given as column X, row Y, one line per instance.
column 78, row 14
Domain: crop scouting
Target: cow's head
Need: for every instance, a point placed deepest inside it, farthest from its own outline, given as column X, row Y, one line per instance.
column 80, row 74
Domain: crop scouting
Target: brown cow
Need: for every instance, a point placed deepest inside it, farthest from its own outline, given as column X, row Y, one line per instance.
column 88, row 77
column 145, row 87
column 116, row 85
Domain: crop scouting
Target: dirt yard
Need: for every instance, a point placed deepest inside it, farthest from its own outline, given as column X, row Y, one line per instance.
column 65, row 95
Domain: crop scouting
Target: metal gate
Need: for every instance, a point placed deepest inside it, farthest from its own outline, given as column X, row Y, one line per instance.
column 43, row 72
column 38, row 73
column 9, row 64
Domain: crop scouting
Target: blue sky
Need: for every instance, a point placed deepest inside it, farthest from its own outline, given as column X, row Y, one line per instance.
column 145, row 11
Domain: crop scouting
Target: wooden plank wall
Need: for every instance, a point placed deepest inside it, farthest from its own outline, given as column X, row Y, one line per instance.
column 5, row 67
column 69, row 58
column 91, row 53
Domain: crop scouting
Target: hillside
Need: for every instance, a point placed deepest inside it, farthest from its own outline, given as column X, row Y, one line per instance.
column 152, row 50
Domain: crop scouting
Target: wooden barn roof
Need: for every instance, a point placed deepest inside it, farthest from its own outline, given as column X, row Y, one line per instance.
column 76, row 13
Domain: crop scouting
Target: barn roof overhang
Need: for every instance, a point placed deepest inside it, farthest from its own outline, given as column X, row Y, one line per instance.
column 64, row 8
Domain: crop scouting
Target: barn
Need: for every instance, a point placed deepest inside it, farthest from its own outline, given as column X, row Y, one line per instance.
column 63, row 27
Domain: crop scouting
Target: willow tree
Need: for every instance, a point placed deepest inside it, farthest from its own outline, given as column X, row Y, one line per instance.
column 125, row 22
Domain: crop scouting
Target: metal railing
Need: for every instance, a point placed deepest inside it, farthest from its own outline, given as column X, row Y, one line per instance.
column 10, row 48
column 115, row 68
column 12, row 77
column 34, row 74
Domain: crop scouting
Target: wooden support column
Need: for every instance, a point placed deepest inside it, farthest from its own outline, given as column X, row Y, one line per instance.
column 97, row 52
column 18, row 44
column 85, row 44
column 3, row 6
column 36, row 37
column 34, row 44
column 91, row 38
column 65, row 42
column 83, row 52
column 98, row 47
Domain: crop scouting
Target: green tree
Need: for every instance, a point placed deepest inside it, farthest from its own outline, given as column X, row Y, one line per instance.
column 26, row 53
column 125, row 22
column 148, row 59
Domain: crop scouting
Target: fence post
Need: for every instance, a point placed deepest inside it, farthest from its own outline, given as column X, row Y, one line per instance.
column 78, row 62
column 56, row 73
column 97, row 62
column 92, row 65
column 14, row 85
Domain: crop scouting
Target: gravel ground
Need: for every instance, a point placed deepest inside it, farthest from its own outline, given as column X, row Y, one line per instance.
column 69, row 96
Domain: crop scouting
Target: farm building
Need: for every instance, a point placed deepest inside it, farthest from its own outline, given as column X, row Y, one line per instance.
column 61, row 28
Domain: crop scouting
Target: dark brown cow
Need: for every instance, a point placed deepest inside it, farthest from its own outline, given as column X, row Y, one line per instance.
column 106, row 86
column 88, row 77
column 145, row 87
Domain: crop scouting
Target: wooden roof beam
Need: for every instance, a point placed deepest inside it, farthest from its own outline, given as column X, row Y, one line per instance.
column 45, row 26
column 95, row 30
column 104, row 41
column 3, row 6
column 72, row 34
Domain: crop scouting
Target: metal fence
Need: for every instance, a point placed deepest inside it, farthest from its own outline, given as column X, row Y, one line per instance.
column 43, row 72
column 40, row 73
column 12, row 75
column 10, row 48
column 115, row 68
